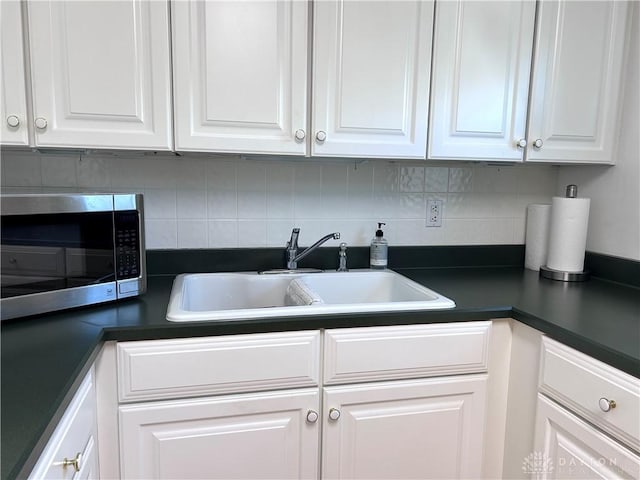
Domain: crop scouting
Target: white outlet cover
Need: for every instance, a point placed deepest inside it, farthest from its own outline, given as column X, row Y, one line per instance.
column 434, row 213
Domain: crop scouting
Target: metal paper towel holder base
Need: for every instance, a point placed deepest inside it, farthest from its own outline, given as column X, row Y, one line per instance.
column 559, row 275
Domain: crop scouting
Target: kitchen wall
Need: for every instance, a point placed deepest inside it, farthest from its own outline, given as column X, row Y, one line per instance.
column 215, row 202
column 614, row 217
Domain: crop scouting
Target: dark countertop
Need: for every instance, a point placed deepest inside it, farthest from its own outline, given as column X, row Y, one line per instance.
column 43, row 359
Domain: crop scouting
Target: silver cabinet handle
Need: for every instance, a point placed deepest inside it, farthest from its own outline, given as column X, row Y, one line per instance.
column 521, row 143
column 312, row 416
column 13, row 121
column 74, row 462
column 321, row 136
column 537, row 143
column 334, row 414
column 606, row 404
column 40, row 123
column 300, row 134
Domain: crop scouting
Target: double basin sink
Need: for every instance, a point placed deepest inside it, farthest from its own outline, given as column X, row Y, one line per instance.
column 249, row 295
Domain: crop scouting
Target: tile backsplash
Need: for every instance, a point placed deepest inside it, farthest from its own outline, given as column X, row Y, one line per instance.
column 218, row 202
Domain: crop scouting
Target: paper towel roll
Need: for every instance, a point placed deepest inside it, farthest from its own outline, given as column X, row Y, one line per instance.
column 537, row 235
column 568, row 233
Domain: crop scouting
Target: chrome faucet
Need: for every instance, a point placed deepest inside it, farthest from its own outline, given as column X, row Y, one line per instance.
column 292, row 247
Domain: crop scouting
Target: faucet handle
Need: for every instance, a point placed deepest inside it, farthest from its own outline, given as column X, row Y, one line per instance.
column 293, row 241
column 342, row 258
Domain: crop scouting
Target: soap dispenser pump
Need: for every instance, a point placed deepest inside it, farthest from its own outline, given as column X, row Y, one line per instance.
column 379, row 248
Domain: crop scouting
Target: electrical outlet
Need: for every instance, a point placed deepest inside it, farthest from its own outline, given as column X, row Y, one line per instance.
column 434, row 213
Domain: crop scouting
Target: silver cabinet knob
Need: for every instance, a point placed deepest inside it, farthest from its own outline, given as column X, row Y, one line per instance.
column 300, row 134
column 312, row 416
column 41, row 123
column 521, row 143
column 334, row 414
column 537, row 143
column 13, row 121
column 321, row 136
column 606, row 404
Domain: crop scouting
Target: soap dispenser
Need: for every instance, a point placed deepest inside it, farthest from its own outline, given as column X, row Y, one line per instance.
column 379, row 247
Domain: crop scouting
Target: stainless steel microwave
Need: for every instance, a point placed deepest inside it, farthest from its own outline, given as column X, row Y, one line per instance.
column 63, row 251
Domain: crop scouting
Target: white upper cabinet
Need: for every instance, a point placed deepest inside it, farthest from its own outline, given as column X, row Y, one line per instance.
column 101, row 74
column 480, row 85
column 13, row 102
column 481, row 80
column 240, row 76
column 371, row 78
column 576, row 81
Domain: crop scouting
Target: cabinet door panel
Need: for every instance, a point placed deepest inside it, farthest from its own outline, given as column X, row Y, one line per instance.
column 405, row 429
column 576, row 82
column 100, row 74
column 13, row 102
column 240, row 75
column 75, row 434
column 567, row 447
column 371, row 78
column 481, row 66
column 250, row 436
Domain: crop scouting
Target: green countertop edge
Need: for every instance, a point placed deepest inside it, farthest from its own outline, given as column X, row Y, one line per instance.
column 159, row 328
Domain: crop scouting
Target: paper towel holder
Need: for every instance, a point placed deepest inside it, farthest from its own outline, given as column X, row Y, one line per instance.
column 546, row 272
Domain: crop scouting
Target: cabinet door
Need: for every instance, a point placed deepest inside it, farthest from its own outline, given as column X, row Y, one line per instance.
column 480, row 88
column 240, row 76
column 13, row 103
column 100, row 72
column 371, row 78
column 405, row 429
column 249, row 436
column 73, row 439
column 576, row 81
column 567, row 447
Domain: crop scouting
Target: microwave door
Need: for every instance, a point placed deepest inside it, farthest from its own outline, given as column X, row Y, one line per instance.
column 70, row 249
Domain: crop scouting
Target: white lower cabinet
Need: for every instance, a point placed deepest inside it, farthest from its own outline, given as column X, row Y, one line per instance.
column 568, row 447
column 405, row 429
column 395, row 423
column 587, row 419
column 262, row 435
column 71, row 452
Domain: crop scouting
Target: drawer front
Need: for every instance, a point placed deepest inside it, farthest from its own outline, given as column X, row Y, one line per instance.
column 407, row 351
column 579, row 382
column 75, row 434
column 161, row 369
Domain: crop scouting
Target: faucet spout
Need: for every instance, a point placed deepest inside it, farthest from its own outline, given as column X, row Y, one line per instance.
column 293, row 257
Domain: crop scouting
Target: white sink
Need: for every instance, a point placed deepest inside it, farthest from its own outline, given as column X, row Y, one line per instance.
column 244, row 295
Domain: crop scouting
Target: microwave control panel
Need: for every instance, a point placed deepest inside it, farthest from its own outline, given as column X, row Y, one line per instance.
column 127, row 244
